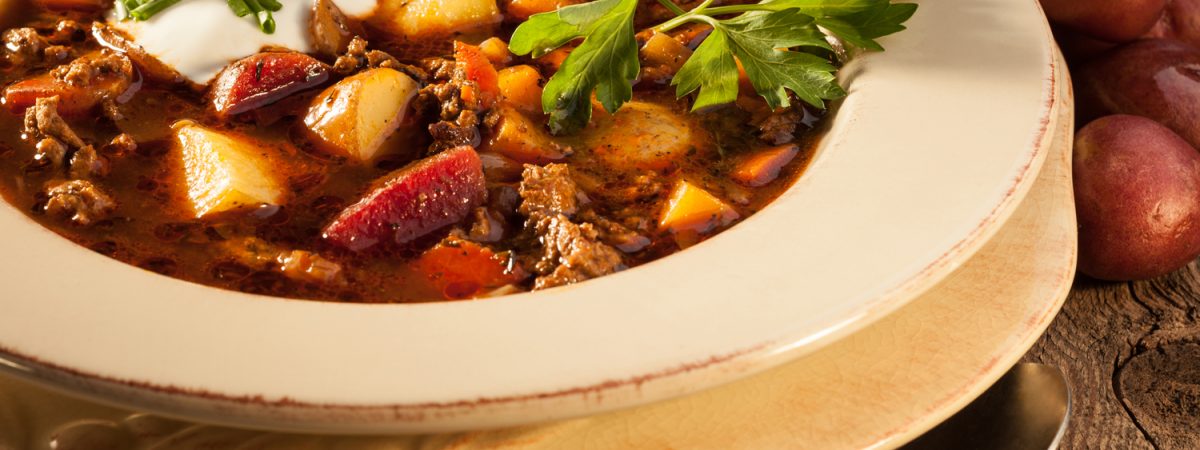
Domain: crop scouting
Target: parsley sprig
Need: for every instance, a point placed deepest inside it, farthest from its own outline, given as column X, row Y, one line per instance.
column 781, row 44
column 145, row 9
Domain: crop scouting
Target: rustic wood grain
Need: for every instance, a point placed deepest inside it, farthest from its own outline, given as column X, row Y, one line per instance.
column 1131, row 352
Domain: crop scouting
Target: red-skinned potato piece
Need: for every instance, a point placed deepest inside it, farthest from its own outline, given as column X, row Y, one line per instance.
column 1180, row 22
column 1109, row 20
column 463, row 269
column 1153, row 78
column 265, row 78
column 484, row 87
column 1136, row 189
column 413, row 201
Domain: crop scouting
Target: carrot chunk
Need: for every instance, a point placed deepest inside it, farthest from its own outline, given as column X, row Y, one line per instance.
column 693, row 209
column 764, row 166
column 484, row 82
column 463, row 269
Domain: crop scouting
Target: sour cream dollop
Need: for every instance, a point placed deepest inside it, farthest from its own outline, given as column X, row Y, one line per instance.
column 200, row 37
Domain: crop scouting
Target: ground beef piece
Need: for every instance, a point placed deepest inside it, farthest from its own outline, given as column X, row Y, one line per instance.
column 24, row 46
column 86, row 163
column 486, row 226
column 570, row 253
column 79, row 201
column 779, row 127
column 357, row 57
column 548, row 190
column 49, row 152
column 120, row 146
column 616, row 234
column 68, row 31
column 455, row 122
column 84, row 70
column 42, row 120
column 353, row 59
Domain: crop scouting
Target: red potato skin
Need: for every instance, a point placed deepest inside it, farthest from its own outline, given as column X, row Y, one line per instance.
column 1180, row 22
column 1137, row 194
column 1108, row 20
column 265, row 78
column 1154, row 78
column 413, row 201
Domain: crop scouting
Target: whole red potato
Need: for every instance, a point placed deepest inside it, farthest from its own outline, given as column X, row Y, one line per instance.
column 1137, row 196
column 1181, row 22
column 1109, row 20
column 1154, row 78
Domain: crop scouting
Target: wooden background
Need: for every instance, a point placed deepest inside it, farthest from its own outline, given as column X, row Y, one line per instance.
column 1131, row 353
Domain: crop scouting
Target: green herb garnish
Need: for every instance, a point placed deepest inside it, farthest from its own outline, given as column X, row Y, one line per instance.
column 145, row 9
column 781, row 44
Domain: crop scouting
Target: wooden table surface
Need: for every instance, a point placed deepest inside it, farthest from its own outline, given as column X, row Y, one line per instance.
column 1131, row 353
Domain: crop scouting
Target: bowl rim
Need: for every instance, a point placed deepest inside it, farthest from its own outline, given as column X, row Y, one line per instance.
column 673, row 378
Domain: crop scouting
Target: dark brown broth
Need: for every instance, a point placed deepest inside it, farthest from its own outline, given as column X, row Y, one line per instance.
column 153, row 227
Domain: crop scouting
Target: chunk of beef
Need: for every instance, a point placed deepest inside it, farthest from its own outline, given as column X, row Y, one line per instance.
column 24, row 46
column 456, row 120
column 83, row 71
column 79, row 201
column 43, row 121
column 120, row 146
column 779, row 127
column 571, row 253
column 615, row 234
column 358, row 57
column 486, row 226
column 548, row 190
column 87, row 163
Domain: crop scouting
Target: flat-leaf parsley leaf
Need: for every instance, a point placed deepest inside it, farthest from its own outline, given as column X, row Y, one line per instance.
column 782, row 45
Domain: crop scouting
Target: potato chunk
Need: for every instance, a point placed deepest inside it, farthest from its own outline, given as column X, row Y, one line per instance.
column 640, row 136
column 355, row 116
column 224, row 171
column 423, row 18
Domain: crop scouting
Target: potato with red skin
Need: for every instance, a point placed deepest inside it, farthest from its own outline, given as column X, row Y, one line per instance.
column 1109, row 20
column 1137, row 194
column 1155, row 78
column 1180, row 22
column 413, row 201
column 263, row 79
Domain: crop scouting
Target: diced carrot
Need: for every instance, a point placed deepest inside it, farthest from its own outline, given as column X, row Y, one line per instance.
column 479, row 71
column 523, row 140
column 692, row 209
column 522, row 9
column 496, row 51
column 73, row 101
column 521, row 87
column 763, row 167
column 553, row 60
column 463, row 269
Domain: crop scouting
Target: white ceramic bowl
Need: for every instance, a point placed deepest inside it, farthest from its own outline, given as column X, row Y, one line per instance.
column 936, row 144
